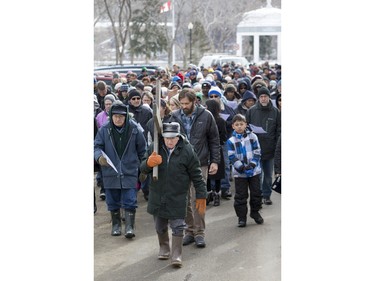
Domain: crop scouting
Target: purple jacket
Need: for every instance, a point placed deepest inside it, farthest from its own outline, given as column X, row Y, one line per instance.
column 101, row 118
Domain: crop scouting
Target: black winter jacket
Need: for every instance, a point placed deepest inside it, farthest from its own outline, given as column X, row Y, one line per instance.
column 204, row 135
column 169, row 194
column 269, row 118
column 141, row 114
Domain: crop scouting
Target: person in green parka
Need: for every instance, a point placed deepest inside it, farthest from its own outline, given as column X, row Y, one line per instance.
column 178, row 165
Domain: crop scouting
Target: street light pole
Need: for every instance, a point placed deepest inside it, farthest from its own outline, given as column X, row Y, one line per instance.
column 190, row 27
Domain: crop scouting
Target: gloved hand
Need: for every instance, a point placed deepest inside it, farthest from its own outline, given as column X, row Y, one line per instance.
column 102, row 161
column 250, row 166
column 240, row 169
column 200, row 205
column 249, row 173
column 154, row 160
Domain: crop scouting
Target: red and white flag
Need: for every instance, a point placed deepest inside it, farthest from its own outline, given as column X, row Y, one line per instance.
column 166, row 7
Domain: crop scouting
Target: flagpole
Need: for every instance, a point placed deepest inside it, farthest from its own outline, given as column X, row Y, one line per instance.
column 173, row 32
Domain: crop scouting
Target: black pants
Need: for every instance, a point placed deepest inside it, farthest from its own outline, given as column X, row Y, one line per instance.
column 242, row 187
column 217, row 185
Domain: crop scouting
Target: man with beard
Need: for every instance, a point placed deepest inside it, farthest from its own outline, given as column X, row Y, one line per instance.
column 199, row 126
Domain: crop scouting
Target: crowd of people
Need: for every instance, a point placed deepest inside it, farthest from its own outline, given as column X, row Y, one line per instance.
column 220, row 124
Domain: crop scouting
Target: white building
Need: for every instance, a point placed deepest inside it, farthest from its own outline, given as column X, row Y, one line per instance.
column 259, row 35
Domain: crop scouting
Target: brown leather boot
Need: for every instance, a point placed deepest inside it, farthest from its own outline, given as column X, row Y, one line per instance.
column 164, row 250
column 176, row 251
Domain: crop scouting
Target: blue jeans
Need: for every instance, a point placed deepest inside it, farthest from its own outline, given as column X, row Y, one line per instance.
column 121, row 198
column 177, row 225
column 225, row 184
column 266, row 177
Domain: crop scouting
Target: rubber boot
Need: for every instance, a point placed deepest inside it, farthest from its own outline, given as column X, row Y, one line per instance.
column 209, row 198
column 116, row 223
column 164, row 250
column 129, row 223
column 216, row 199
column 176, row 251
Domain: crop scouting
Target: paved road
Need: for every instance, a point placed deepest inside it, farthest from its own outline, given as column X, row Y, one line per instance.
column 232, row 253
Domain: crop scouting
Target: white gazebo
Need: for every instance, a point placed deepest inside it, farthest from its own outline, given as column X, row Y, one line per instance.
column 259, row 35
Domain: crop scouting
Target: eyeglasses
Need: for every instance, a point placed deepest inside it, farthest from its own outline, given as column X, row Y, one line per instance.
column 213, row 96
column 136, row 98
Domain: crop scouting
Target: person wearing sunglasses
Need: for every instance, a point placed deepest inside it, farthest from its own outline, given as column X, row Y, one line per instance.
column 141, row 113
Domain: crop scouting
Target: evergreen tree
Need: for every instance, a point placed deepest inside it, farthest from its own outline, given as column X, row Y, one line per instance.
column 147, row 34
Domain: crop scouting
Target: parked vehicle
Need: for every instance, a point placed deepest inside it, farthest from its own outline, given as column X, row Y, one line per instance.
column 105, row 73
column 220, row 59
column 106, row 76
column 136, row 68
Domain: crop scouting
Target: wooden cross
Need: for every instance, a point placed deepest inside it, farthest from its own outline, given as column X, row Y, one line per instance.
column 158, row 128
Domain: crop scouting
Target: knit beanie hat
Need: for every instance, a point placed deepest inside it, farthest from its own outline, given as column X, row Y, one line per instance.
column 263, row 91
column 124, row 87
column 206, row 83
column 117, row 86
column 219, row 74
column 230, row 88
column 109, row 97
column 238, row 71
column 134, row 93
column 215, row 91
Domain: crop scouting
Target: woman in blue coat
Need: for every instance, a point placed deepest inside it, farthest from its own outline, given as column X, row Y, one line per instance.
column 119, row 147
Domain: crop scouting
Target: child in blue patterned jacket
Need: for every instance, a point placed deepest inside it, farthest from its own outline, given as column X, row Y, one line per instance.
column 244, row 154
